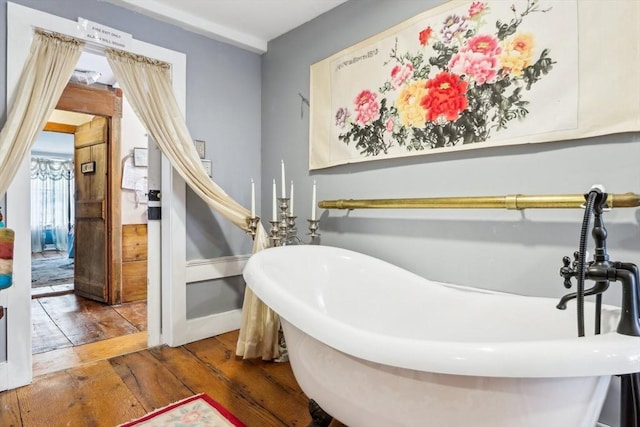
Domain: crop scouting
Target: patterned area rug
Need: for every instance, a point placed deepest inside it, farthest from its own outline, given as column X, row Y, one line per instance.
column 51, row 271
column 195, row 411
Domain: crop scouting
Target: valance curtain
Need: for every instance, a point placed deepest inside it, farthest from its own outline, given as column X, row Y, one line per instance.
column 46, row 72
column 43, row 168
column 52, row 187
column 147, row 84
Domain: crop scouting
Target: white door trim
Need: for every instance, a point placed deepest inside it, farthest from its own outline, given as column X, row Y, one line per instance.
column 163, row 322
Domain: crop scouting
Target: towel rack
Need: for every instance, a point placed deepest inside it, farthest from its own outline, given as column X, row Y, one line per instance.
column 513, row 202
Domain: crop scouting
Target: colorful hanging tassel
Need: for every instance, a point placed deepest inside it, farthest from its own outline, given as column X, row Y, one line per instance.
column 6, row 257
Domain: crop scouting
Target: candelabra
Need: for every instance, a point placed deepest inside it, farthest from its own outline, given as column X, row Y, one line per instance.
column 283, row 228
column 283, row 231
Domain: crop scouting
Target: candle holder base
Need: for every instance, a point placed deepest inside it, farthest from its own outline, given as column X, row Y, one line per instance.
column 314, row 224
column 252, row 225
column 275, row 233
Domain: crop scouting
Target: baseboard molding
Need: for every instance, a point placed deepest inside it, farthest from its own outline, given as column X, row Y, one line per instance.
column 3, row 375
column 212, row 325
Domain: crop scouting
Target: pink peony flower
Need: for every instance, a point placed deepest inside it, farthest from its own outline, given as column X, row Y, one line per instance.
column 400, row 74
column 485, row 44
column 476, row 9
column 389, row 125
column 366, row 106
column 481, row 68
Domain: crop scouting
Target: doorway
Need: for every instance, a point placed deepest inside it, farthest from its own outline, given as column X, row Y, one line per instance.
column 100, row 304
column 97, row 224
column 167, row 322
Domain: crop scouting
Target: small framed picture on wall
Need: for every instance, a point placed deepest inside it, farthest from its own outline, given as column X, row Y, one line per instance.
column 199, row 148
column 88, row 167
column 140, row 157
column 207, row 167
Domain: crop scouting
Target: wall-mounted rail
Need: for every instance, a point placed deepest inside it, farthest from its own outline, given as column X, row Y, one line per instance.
column 514, row 201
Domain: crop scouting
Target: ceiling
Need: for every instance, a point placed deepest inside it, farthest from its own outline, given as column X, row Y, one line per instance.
column 240, row 23
column 249, row 24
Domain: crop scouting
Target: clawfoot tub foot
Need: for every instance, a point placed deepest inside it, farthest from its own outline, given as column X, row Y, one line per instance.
column 319, row 418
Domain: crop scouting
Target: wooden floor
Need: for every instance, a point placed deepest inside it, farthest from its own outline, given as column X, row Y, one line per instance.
column 68, row 320
column 63, row 324
column 115, row 390
column 92, row 367
column 68, row 330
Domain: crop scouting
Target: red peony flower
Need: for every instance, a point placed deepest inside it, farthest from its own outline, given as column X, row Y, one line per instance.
column 446, row 97
column 424, row 36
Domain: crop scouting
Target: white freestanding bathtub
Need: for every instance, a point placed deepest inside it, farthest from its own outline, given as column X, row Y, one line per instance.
column 375, row 345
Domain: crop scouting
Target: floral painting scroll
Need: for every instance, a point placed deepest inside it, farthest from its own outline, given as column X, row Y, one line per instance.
column 469, row 74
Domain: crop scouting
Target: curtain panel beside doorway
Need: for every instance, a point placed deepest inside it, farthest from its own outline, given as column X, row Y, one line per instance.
column 46, row 72
column 147, row 84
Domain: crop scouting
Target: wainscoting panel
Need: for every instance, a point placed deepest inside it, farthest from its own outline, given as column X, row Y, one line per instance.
column 215, row 268
column 211, row 271
column 134, row 262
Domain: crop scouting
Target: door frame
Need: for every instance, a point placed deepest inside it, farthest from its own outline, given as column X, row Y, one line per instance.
column 166, row 288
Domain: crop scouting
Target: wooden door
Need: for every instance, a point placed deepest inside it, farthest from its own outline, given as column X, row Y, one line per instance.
column 92, row 246
column 106, row 103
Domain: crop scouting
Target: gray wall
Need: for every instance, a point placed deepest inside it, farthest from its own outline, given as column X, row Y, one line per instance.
column 223, row 108
column 223, row 93
column 517, row 251
column 514, row 251
column 217, row 296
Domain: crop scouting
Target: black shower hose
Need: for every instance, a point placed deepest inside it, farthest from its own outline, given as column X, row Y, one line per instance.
column 629, row 383
column 582, row 254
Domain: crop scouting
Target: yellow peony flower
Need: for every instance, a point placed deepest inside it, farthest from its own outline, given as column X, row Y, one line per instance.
column 410, row 111
column 517, row 53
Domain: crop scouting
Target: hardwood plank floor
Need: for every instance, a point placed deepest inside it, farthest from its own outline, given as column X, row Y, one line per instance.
column 57, row 360
column 69, row 330
column 113, row 391
column 69, row 320
column 112, row 379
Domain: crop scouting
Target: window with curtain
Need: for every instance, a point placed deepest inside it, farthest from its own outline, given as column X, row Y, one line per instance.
column 52, row 206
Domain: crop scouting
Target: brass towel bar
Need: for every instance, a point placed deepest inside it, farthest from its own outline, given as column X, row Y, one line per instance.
column 514, row 201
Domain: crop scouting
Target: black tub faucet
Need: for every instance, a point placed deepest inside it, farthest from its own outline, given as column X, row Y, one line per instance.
column 603, row 271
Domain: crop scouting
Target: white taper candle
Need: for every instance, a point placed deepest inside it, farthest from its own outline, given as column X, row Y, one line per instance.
column 313, row 202
column 274, row 216
column 291, row 199
column 284, row 190
column 253, row 199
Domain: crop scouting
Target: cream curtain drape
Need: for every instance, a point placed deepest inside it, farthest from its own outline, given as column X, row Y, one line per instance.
column 45, row 74
column 147, row 85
